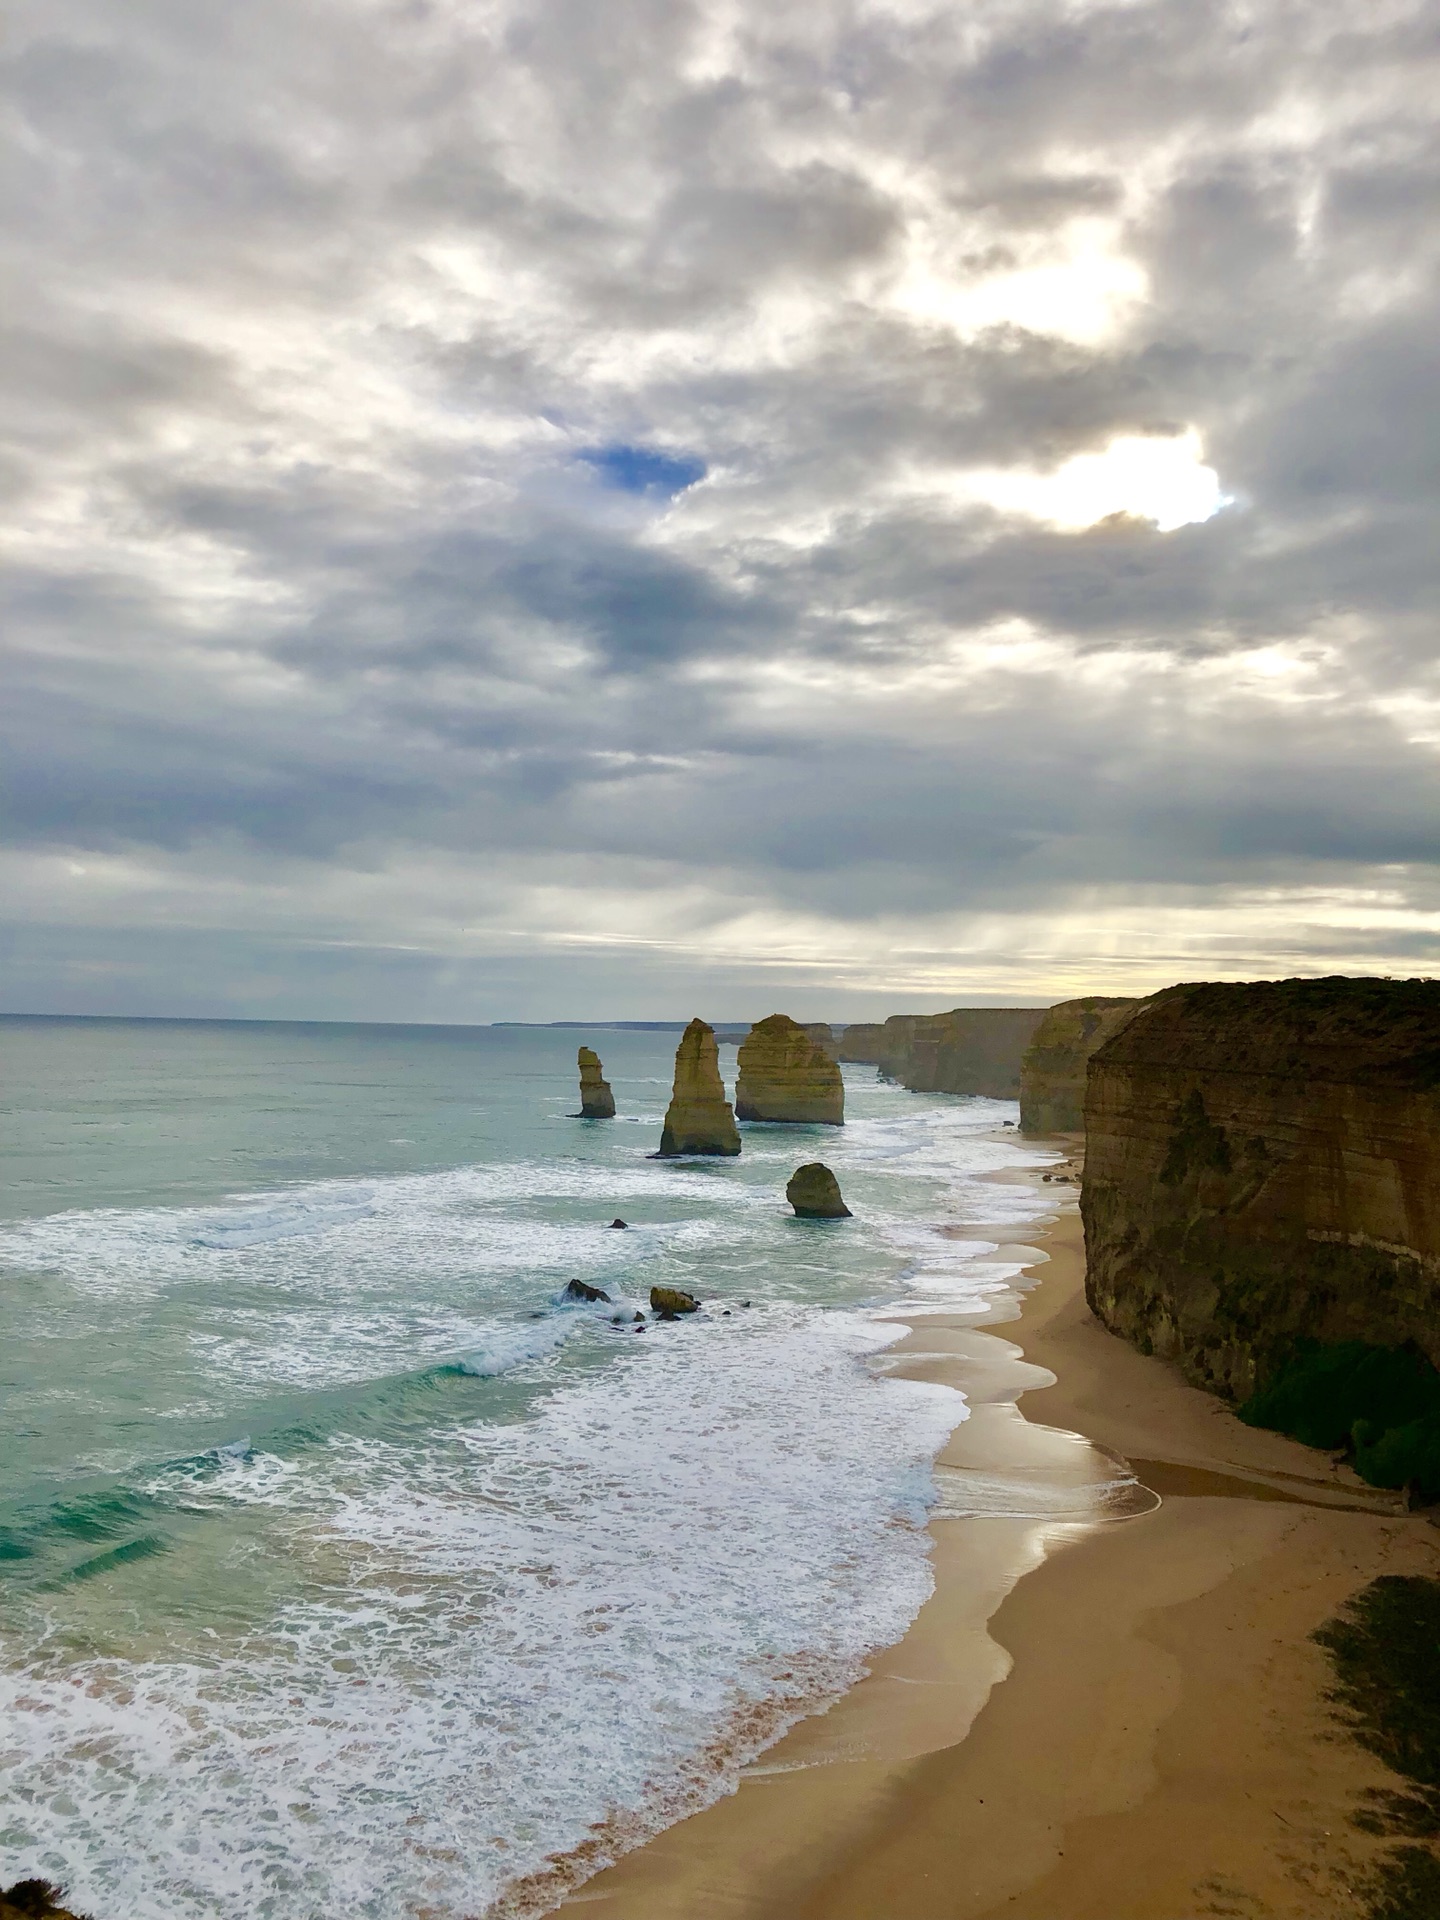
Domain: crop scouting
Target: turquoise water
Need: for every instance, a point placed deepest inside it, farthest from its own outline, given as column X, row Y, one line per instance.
column 341, row 1564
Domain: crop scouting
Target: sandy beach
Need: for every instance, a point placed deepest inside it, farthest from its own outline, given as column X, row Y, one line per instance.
column 1111, row 1712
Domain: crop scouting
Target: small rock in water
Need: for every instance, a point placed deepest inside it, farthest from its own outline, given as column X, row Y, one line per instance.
column 618, row 1222
column 670, row 1302
column 814, row 1193
column 578, row 1290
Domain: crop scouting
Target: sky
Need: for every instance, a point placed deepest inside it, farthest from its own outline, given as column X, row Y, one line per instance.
column 627, row 508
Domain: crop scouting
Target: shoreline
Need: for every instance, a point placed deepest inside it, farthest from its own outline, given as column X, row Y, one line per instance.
column 1108, row 1710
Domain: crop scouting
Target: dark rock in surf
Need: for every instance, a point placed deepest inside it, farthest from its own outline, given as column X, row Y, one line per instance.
column 578, row 1290
column 618, row 1222
column 814, row 1193
column 34, row 1900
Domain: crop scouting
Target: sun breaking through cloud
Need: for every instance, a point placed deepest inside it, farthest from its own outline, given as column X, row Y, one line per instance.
column 608, row 508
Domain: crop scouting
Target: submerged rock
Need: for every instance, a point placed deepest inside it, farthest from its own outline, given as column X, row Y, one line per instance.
column 699, row 1118
column 670, row 1302
column 787, row 1074
column 618, row 1222
column 580, row 1290
column 597, row 1102
column 814, row 1193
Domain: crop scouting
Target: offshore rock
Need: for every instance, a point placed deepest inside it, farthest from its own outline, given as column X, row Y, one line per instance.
column 1052, row 1074
column 34, row 1900
column 1263, row 1168
column 971, row 1050
column 597, row 1102
column 581, row 1290
column 788, row 1075
column 670, row 1302
column 814, row 1193
column 699, row 1118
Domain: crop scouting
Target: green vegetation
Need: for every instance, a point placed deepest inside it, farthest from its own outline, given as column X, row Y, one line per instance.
column 1385, row 1647
column 1196, row 1145
column 1382, row 1404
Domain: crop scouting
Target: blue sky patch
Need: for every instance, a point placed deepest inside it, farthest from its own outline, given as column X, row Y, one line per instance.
column 644, row 470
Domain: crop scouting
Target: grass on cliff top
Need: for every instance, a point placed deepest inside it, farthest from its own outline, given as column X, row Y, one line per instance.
column 1382, row 1404
column 1385, row 1650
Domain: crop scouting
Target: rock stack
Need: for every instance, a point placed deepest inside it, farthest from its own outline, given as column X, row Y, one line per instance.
column 814, row 1193
column 699, row 1118
column 597, row 1102
column 787, row 1074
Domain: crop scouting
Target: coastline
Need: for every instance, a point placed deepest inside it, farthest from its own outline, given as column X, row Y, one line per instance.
column 1160, row 1742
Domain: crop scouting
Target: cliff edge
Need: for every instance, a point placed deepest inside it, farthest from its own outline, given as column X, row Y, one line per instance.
column 1053, row 1072
column 1263, row 1170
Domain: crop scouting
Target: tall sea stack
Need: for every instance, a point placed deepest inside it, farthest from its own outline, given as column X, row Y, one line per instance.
column 787, row 1075
column 597, row 1102
column 699, row 1119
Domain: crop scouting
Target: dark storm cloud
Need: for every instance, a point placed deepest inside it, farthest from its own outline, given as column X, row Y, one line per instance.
column 331, row 331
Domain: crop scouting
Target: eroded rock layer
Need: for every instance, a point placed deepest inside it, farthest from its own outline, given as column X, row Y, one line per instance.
column 597, row 1102
column 1052, row 1074
column 699, row 1118
column 1263, row 1167
column 787, row 1074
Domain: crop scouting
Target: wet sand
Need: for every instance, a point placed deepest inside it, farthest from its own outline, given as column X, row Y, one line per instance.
column 1110, row 1708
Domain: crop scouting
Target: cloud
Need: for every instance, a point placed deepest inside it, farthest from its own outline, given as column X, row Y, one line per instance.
column 624, row 506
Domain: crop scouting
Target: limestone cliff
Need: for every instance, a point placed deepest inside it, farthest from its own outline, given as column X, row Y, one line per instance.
column 1052, row 1074
column 787, row 1075
column 823, row 1034
column 974, row 1050
column 1262, row 1170
column 699, row 1118
column 597, row 1102
column 886, row 1045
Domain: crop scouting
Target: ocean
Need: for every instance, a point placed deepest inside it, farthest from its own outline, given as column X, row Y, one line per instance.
column 344, row 1566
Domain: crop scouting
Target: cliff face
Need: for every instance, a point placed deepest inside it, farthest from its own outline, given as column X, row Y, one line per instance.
column 1263, row 1167
column 972, row 1050
column 785, row 1074
column 885, row 1045
column 699, row 1118
column 1052, row 1074
column 597, row 1102
column 821, row 1032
